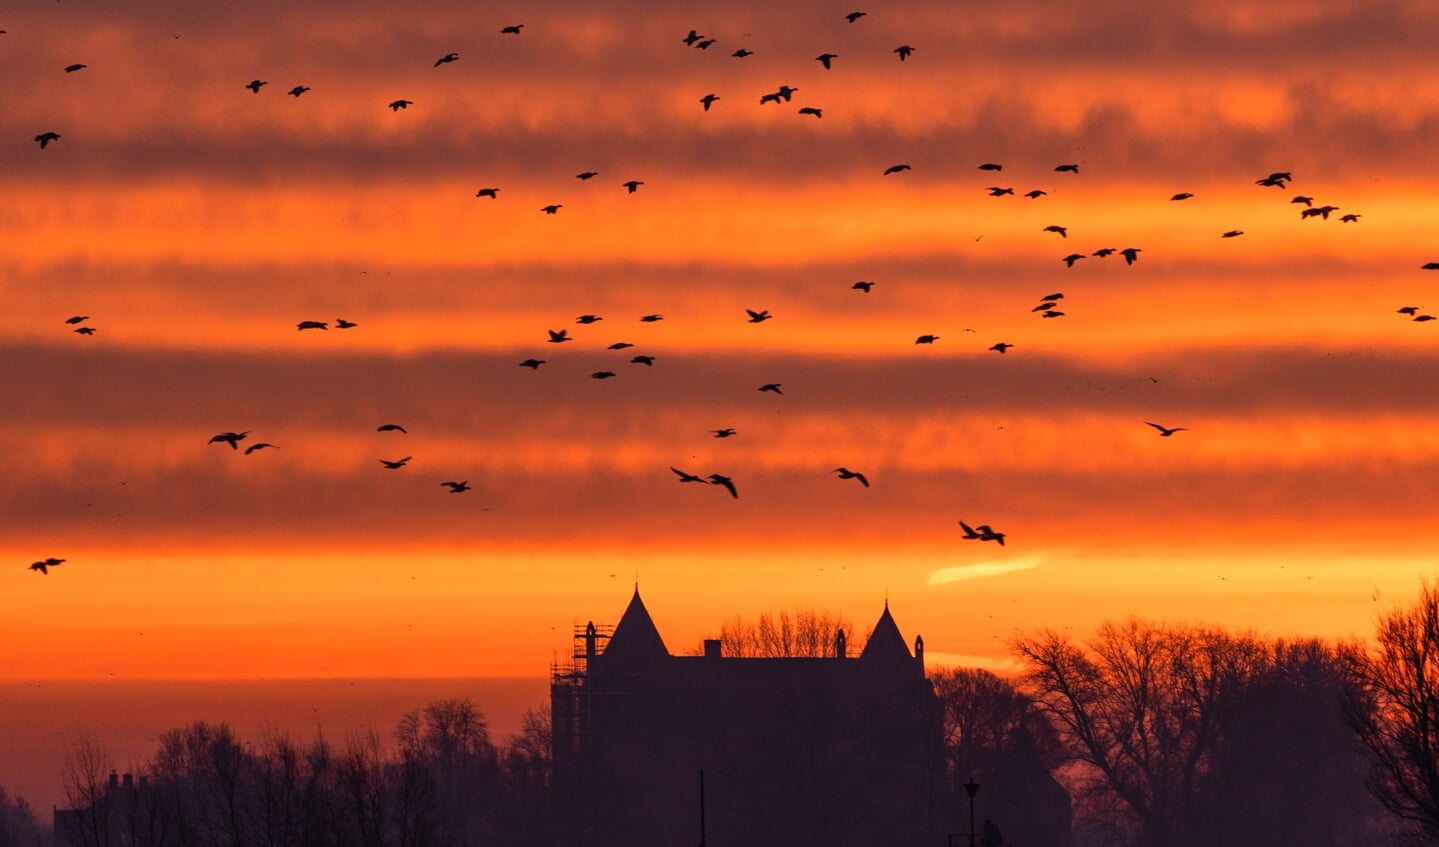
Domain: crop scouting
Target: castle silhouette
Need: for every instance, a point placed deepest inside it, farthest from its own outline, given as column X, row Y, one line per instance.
column 834, row 751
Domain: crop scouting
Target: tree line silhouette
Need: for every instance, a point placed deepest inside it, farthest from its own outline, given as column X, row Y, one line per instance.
column 1146, row 734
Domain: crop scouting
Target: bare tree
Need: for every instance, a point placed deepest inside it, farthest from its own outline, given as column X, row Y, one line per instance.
column 802, row 632
column 18, row 825
column 86, row 770
column 1395, row 711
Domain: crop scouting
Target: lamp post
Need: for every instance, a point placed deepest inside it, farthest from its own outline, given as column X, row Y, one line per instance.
column 971, row 788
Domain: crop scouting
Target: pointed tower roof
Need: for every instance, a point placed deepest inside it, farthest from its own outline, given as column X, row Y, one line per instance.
column 885, row 642
column 635, row 637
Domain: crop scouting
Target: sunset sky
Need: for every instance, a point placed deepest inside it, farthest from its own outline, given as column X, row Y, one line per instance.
column 197, row 223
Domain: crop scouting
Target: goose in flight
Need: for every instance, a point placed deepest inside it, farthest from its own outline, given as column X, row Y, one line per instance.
column 721, row 479
column 903, row 50
column 70, row 69
column 588, row 319
column 633, row 185
column 258, row 445
column 926, row 339
column 1071, row 259
column 741, row 53
column 968, row 531
column 846, row 473
column 1050, row 298
column 649, row 319
column 811, row 110
column 996, row 191
column 341, row 323
column 723, row 433
column 256, row 84
column 447, row 58
column 1001, row 346
column 391, row 428
column 1233, row 233
column 708, row 100
column 559, row 335
column 1300, row 198
column 86, row 330
column 44, row 565
column 1183, row 195
column 75, row 319
column 1349, row 219
column 1035, row 194
column 854, row 16
column 532, row 364
column 991, row 166
column 786, row 92
column 1166, row 431
column 769, row 98
column 1419, row 318
column 602, row 374
column 987, row 534
column 894, row 169
column 512, row 29
column 397, row 105
column 1429, row 266
column 1052, row 313
column 688, row 477
column 587, row 175
column 863, row 285
column 397, row 464
column 1074, row 169
column 551, row 209
column 826, row 58
column 690, row 39
column 304, row 325
column 298, row 90
column 771, row 386
column 1322, row 211
column 620, row 345
column 492, row 193
column 643, row 360
column 1063, row 231
column 705, row 45
column 1130, row 254
column 1408, row 310
column 45, row 138
column 758, row 317
column 1104, row 252
column 231, row 438
column 457, row 487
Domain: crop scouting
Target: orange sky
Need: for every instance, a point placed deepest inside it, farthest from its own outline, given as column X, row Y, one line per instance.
column 196, row 224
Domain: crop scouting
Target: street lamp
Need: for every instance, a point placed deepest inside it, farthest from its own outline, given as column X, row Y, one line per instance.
column 971, row 788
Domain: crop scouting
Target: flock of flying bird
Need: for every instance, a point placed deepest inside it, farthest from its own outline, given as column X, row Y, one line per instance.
column 783, row 94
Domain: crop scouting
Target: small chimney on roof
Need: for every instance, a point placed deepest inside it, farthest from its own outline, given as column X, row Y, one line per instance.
column 129, row 781
column 713, row 648
column 114, row 780
column 840, row 647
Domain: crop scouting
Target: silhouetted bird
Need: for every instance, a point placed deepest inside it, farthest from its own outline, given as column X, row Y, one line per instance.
column 996, row 191
column 457, row 487
column 688, row 477
column 969, row 532
column 1130, row 254
column 397, row 105
column 559, row 335
column 44, row 565
column 708, row 100
column 588, row 319
column 1074, row 169
column 341, row 323
column 903, row 50
column 1349, row 219
column 810, row 110
column 987, row 534
column 86, row 330
column 303, row 325
column 620, row 345
column 1419, row 318
column 826, row 58
column 894, row 169
column 786, row 92
column 46, row 137
column 1300, row 198
column 1071, row 259
column 1104, row 252
column 532, row 364
column 1052, row 314
column 1233, row 233
column 633, row 185
column 758, row 317
column 552, row 208
column 258, row 445
column 1165, row 431
column 1183, row 195
column 298, row 90
column 391, row 428
column 587, row 175
column 231, row 438
column 1035, row 194
column 649, row 319
column 1050, row 298
column 991, row 166
column 741, row 53
column 75, row 319
column 602, row 374
column 854, row 16
column 863, row 285
column 926, row 339
column 723, row 433
column 492, row 193
column 512, row 29
column 397, row 464
column 1001, row 347
column 447, row 58
column 255, row 85
column 690, row 39
column 643, row 360
column 846, row 473
column 1063, row 232
column 70, row 69
column 1429, row 266
column 721, row 479
column 769, row 98
column 771, row 386
column 1408, row 310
